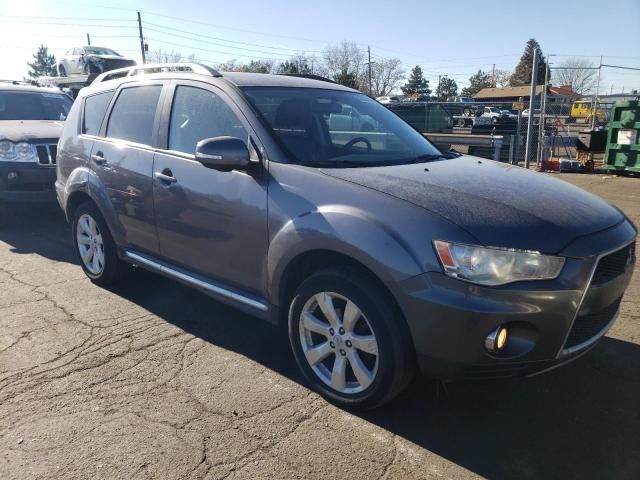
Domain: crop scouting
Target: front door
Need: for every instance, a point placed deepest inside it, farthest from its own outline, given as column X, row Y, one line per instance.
column 210, row 222
column 123, row 160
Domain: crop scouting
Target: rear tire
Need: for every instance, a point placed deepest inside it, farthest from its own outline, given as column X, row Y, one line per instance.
column 363, row 356
column 96, row 249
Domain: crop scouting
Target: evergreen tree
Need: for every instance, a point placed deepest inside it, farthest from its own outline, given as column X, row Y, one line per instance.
column 522, row 73
column 294, row 66
column 43, row 64
column 477, row 82
column 343, row 77
column 446, row 88
column 416, row 84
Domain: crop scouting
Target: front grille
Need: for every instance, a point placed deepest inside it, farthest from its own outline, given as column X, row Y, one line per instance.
column 47, row 154
column 585, row 327
column 614, row 264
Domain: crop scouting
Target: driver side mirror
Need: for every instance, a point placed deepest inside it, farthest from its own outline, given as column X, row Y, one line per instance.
column 223, row 153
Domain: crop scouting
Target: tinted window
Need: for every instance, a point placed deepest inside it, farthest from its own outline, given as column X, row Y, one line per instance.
column 94, row 110
column 133, row 114
column 197, row 114
column 15, row 105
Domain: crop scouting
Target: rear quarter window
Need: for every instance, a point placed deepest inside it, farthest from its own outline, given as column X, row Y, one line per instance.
column 95, row 108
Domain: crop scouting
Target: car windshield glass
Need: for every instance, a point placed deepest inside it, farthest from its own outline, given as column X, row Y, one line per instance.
column 99, row 51
column 33, row 106
column 337, row 128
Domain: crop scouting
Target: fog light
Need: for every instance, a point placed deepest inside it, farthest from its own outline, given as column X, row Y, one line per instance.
column 13, row 176
column 497, row 339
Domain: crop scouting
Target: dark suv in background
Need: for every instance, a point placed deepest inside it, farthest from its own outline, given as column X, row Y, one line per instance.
column 31, row 121
column 378, row 253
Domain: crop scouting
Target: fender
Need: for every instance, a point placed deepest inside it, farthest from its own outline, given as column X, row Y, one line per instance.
column 85, row 180
column 346, row 230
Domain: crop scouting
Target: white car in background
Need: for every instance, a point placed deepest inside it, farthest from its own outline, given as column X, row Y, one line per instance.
column 387, row 99
column 88, row 59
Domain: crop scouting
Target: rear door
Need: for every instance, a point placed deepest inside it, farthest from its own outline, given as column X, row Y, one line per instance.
column 210, row 222
column 123, row 160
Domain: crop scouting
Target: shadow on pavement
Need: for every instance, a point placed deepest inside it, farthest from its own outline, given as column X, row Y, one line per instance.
column 39, row 229
column 580, row 421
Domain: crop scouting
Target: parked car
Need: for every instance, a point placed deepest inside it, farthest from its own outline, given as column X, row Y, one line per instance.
column 378, row 252
column 536, row 112
column 89, row 59
column 388, row 99
column 461, row 100
column 426, row 117
column 509, row 114
column 31, row 121
column 351, row 119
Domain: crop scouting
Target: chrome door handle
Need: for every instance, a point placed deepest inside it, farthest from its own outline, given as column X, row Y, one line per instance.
column 98, row 159
column 165, row 178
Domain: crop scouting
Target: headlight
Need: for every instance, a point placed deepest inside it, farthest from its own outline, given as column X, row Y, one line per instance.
column 25, row 152
column 495, row 266
column 7, row 151
column 17, row 152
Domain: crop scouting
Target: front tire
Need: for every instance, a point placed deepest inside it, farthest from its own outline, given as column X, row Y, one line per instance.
column 96, row 249
column 62, row 71
column 349, row 340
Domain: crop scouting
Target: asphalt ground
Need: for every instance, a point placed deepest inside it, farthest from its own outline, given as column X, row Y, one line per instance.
column 154, row 380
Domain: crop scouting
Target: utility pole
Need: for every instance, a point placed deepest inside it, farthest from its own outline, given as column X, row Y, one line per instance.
column 88, row 40
column 439, row 80
column 543, row 108
column 594, row 108
column 493, row 76
column 144, row 60
column 370, row 89
column 532, row 104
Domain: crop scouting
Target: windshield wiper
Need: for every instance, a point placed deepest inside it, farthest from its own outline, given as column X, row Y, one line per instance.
column 425, row 157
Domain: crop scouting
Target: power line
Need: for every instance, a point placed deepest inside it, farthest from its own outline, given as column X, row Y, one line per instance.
column 83, row 19
column 232, row 54
column 64, row 23
column 199, row 39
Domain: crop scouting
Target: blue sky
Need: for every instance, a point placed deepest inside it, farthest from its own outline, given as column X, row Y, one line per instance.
column 452, row 38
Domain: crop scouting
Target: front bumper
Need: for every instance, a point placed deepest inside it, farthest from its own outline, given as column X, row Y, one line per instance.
column 32, row 183
column 550, row 322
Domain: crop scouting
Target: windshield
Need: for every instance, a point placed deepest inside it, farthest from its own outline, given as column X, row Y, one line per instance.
column 99, row 51
column 33, row 106
column 337, row 128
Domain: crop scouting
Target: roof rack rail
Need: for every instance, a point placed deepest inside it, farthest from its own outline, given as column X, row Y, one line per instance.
column 157, row 68
column 21, row 82
column 307, row 75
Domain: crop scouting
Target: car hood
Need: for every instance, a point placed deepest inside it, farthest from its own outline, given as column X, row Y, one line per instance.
column 499, row 204
column 27, row 130
column 107, row 57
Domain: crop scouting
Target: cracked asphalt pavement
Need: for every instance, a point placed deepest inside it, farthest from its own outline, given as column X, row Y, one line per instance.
column 152, row 380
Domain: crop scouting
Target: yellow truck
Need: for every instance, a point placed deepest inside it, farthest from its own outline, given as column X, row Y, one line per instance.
column 586, row 110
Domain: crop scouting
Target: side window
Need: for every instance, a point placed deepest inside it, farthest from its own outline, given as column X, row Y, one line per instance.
column 133, row 114
column 197, row 114
column 95, row 107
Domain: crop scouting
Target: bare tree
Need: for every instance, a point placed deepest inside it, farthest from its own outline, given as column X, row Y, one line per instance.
column 343, row 60
column 386, row 74
column 577, row 73
column 501, row 78
column 163, row 56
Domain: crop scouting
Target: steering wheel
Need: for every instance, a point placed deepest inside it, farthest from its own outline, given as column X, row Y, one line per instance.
column 347, row 146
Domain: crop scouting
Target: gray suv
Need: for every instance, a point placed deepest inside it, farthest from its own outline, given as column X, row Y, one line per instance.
column 381, row 254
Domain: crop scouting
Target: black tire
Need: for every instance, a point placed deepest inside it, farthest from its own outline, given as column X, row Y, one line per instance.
column 113, row 268
column 396, row 361
column 61, row 71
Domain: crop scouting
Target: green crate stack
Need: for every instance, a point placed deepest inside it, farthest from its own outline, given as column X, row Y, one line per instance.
column 623, row 140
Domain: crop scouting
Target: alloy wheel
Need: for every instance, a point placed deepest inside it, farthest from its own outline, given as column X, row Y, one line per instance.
column 338, row 342
column 90, row 244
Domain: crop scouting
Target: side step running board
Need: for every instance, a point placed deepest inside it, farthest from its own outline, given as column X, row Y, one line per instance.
column 216, row 290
